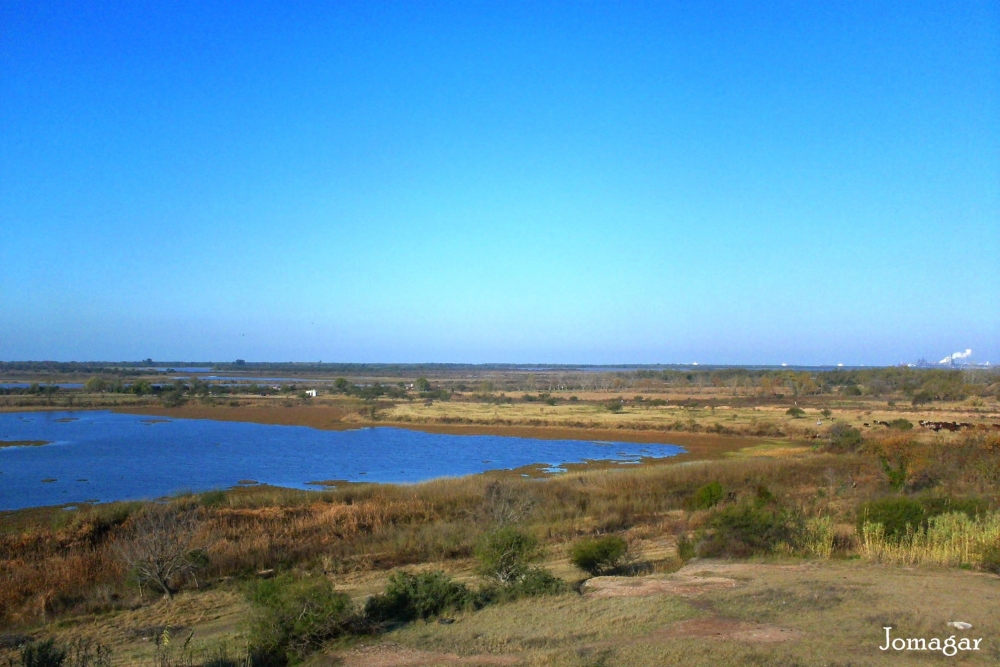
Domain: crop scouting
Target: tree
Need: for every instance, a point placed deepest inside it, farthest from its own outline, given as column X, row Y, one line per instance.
column 95, row 385
column 142, row 387
column 599, row 556
column 506, row 504
column 422, row 384
column 504, row 554
column 160, row 547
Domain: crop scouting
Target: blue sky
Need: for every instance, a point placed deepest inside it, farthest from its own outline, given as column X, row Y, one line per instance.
column 500, row 182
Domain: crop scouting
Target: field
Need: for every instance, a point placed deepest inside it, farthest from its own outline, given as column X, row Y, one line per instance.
column 770, row 543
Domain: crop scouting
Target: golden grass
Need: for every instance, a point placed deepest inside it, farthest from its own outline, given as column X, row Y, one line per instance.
column 950, row 540
column 55, row 562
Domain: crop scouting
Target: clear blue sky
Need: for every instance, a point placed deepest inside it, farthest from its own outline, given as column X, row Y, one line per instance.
column 500, row 182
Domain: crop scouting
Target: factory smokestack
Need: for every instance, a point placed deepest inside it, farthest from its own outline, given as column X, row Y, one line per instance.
column 955, row 356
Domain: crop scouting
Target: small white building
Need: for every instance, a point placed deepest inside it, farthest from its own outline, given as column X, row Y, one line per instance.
column 311, row 393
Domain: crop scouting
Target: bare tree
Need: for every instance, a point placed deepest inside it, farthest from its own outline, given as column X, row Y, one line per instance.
column 505, row 503
column 160, row 547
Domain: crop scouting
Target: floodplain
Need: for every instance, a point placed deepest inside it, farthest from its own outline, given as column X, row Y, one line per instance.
column 813, row 509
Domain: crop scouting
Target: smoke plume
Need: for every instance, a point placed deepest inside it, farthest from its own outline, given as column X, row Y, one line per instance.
column 955, row 356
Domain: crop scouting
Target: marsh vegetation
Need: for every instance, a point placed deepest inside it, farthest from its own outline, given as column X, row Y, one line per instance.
column 778, row 547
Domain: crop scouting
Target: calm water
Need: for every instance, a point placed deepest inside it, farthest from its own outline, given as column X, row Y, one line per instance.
column 103, row 456
column 25, row 385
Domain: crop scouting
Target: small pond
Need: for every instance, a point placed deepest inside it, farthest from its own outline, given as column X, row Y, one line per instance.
column 101, row 456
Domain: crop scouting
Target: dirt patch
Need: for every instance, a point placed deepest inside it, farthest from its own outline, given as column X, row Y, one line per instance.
column 394, row 655
column 609, row 587
column 725, row 628
column 690, row 581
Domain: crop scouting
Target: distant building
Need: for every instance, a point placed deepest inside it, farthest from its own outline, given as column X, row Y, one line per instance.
column 311, row 392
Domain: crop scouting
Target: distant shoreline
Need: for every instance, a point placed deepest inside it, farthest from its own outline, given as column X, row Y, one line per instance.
column 698, row 446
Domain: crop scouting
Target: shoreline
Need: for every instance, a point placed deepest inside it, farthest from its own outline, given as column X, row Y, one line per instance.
column 698, row 446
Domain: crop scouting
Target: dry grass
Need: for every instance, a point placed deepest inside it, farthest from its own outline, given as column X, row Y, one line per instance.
column 58, row 565
column 829, row 613
column 950, row 540
column 61, row 562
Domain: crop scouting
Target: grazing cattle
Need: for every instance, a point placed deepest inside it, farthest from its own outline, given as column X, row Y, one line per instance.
column 947, row 426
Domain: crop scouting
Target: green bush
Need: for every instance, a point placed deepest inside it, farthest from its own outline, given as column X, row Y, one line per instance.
column 685, row 548
column 936, row 505
column 535, row 582
column 747, row 529
column 214, row 498
column 411, row 596
column 898, row 515
column 896, row 472
column 294, row 617
column 504, row 554
column 43, row 654
column 844, row 438
column 599, row 556
column 991, row 558
column 706, row 497
column 901, row 424
column 795, row 413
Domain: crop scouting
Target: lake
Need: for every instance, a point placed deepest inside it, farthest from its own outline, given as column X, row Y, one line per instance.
column 101, row 456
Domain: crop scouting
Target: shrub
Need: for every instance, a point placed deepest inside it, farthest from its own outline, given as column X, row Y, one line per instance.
column 43, row 654
column 748, row 529
column 951, row 539
column 294, row 617
column 762, row 496
column 214, row 498
column 614, row 406
column 411, row 596
column 706, row 497
column 160, row 547
column 901, row 516
column 599, row 556
column 795, row 412
column 685, row 548
column 922, row 398
column 173, row 398
column 971, row 507
column 506, row 503
column 901, row 424
column 898, row 515
column 535, row 582
column 818, row 537
column 844, row 438
column 504, row 554
column 991, row 558
column 895, row 471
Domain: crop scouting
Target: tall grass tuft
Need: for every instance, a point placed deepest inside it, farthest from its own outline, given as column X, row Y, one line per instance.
column 952, row 539
column 818, row 537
